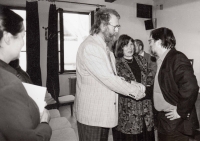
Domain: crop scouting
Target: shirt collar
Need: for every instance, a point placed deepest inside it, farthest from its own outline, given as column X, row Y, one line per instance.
column 101, row 40
column 142, row 54
column 7, row 67
column 162, row 57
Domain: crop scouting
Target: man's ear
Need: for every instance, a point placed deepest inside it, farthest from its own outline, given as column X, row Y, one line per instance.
column 159, row 42
column 140, row 47
column 6, row 37
column 103, row 27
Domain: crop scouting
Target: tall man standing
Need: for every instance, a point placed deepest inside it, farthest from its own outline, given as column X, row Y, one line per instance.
column 96, row 102
column 175, row 89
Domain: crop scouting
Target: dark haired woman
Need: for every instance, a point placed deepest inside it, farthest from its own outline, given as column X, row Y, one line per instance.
column 135, row 121
column 20, row 118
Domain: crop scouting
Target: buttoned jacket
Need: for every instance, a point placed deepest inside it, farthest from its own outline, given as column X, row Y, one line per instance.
column 179, row 88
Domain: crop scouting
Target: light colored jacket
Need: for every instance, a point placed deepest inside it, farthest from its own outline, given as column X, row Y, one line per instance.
column 96, row 103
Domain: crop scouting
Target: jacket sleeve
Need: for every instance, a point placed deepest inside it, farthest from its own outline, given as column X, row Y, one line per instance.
column 187, row 85
column 96, row 62
column 17, row 122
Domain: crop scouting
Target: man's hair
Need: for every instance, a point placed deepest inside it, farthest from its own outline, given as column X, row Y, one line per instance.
column 102, row 16
column 165, row 35
column 139, row 43
column 121, row 42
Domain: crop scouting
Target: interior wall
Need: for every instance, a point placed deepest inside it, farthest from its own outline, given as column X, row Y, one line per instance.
column 130, row 25
column 183, row 18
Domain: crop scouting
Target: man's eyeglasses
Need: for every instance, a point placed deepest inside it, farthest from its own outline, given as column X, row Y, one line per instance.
column 116, row 26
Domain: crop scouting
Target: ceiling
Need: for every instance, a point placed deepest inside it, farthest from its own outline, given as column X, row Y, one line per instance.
column 166, row 3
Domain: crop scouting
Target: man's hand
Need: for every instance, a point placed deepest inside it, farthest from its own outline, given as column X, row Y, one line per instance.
column 172, row 114
column 140, row 96
column 137, row 96
column 140, row 86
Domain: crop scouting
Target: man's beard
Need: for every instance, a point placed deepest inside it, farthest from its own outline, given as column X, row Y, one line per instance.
column 153, row 53
column 109, row 38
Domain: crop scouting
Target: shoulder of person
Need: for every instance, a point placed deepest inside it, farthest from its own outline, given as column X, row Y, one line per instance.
column 7, row 77
column 176, row 55
column 118, row 60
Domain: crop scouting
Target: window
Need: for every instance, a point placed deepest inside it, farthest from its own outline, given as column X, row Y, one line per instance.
column 76, row 28
column 22, row 59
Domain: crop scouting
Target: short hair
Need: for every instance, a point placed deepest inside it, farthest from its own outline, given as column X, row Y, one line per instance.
column 139, row 43
column 122, row 41
column 10, row 22
column 102, row 16
column 166, row 36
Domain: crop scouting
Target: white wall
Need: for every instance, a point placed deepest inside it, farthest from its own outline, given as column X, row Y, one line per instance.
column 183, row 17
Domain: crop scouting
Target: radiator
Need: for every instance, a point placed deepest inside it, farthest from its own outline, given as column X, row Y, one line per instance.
column 72, row 85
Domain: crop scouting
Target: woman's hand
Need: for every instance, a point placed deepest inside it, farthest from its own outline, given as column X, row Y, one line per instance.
column 45, row 117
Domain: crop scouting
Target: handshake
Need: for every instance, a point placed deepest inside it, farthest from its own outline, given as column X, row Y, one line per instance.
column 138, row 91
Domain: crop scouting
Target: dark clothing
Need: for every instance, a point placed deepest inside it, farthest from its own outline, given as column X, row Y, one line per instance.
column 92, row 133
column 145, row 136
column 17, row 71
column 151, row 61
column 135, row 69
column 20, row 118
column 176, row 136
column 135, row 116
column 24, row 77
column 21, row 74
column 179, row 88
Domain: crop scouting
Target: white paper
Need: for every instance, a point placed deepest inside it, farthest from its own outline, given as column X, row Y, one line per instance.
column 37, row 93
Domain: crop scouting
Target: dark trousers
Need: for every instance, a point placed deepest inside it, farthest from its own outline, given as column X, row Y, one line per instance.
column 92, row 133
column 176, row 136
column 144, row 136
column 169, row 130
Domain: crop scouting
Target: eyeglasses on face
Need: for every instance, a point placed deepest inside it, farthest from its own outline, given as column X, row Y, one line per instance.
column 115, row 26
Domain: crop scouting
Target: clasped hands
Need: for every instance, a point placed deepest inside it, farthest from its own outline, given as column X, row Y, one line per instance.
column 139, row 93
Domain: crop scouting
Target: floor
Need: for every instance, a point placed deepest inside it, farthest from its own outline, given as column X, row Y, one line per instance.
column 65, row 111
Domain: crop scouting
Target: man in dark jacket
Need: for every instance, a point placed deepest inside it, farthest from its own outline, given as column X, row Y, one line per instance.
column 175, row 89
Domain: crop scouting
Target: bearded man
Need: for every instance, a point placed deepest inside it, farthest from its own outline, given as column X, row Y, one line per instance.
column 96, row 102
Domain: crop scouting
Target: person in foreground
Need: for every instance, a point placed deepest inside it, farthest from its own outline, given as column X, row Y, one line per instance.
column 20, row 118
column 96, row 102
column 175, row 89
column 135, row 116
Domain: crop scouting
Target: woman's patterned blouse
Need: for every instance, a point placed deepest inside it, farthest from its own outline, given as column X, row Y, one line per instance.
column 134, row 114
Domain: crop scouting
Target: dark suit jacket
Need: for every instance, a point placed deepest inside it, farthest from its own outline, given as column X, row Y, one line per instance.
column 151, row 63
column 20, row 119
column 179, row 87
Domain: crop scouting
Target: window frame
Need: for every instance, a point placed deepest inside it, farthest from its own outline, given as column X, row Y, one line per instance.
column 61, row 45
